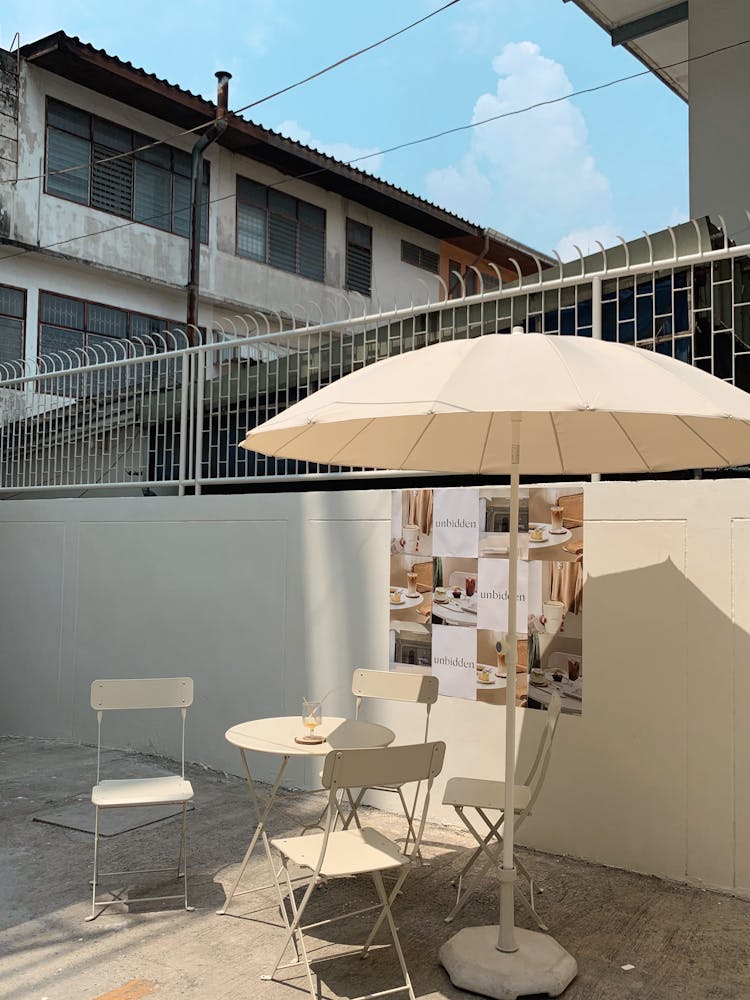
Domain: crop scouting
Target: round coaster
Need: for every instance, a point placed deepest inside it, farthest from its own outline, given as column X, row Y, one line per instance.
column 309, row 740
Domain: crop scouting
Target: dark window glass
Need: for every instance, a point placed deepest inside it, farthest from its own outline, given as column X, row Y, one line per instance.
column 609, row 321
column 151, row 185
column 722, row 307
column 62, row 311
column 66, row 322
column 742, row 279
column 742, row 372
column 627, row 303
column 703, row 335
column 683, row 349
column 65, row 152
column 275, row 228
column 12, row 315
column 112, row 322
column 663, row 297
column 723, row 355
column 421, row 257
column 645, row 317
column 358, row 257
column 742, row 324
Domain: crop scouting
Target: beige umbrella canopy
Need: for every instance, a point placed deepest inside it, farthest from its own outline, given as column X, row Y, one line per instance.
column 585, row 405
column 516, row 404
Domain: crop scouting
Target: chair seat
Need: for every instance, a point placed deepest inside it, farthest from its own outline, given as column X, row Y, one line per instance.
column 480, row 793
column 141, row 791
column 349, row 852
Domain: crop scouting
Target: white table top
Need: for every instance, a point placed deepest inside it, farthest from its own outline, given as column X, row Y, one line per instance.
column 550, row 538
column 277, row 736
column 407, row 600
column 454, row 610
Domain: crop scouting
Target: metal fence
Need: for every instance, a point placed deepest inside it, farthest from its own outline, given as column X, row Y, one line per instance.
column 153, row 412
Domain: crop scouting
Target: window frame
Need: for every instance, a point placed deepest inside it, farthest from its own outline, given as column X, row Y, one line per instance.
column 420, row 262
column 87, row 303
column 21, row 319
column 269, row 212
column 137, row 139
column 360, row 246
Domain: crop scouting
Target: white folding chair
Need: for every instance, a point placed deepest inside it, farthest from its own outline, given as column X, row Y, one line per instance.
column 342, row 853
column 392, row 685
column 485, row 797
column 140, row 693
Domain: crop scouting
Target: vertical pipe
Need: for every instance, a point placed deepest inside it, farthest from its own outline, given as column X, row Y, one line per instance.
column 506, row 939
column 212, row 133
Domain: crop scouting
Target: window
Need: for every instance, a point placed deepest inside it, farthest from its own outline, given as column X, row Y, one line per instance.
column 275, row 228
column 12, row 315
column 420, row 257
column 151, row 186
column 358, row 257
column 68, row 323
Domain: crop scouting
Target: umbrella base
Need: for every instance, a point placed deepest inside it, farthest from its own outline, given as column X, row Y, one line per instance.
column 540, row 966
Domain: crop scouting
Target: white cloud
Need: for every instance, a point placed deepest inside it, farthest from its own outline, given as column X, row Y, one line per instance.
column 343, row 151
column 470, row 30
column 538, row 165
column 257, row 39
column 677, row 215
column 587, row 240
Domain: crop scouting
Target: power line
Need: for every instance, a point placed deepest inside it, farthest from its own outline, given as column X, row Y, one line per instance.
column 253, row 104
column 404, row 145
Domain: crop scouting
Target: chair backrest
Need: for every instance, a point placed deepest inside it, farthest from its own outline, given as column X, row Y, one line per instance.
column 538, row 770
column 140, row 693
column 393, row 685
column 381, row 767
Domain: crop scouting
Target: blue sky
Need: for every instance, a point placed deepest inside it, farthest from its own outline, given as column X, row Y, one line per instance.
column 592, row 167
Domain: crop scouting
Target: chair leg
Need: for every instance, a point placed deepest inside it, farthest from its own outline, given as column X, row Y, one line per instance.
column 410, row 834
column 386, row 912
column 295, row 928
column 96, row 864
column 182, row 860
column 376, row 927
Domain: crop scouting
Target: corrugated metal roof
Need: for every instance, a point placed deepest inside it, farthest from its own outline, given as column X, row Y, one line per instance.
column 70, row 57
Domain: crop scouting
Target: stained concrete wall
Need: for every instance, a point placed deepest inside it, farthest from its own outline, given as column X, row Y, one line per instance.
column 263, row 599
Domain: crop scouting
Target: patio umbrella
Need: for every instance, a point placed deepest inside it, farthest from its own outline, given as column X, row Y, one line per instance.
column 516, row 405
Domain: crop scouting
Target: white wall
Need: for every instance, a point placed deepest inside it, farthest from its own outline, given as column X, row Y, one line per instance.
column 263, row 599
column 719, row 113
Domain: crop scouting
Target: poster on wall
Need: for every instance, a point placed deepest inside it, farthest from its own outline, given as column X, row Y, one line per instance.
column 448, row 592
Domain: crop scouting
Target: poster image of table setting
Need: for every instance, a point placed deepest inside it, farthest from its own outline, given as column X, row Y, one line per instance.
column 449, row 583
column 555, row 631
column 454, row 598
column 494, row 523
column 410, row 586
column 454, row 655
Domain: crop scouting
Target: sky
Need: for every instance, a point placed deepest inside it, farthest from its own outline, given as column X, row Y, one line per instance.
column 587, row 168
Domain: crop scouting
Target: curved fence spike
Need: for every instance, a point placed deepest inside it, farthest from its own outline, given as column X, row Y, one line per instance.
column 242, row 320
column 650, row 248
column 461, row 283
column 673, row 237
column 514, row 262
column 481, row 278
column 559, row 265
column 724, row 230
column 605, row 265
column 254, row 321
column 496, row 269
column 627, row 251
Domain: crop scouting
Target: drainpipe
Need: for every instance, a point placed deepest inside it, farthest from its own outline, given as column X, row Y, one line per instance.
column 212, row 133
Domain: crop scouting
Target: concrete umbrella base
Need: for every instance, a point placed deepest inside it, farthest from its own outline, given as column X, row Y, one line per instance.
column 540, row 965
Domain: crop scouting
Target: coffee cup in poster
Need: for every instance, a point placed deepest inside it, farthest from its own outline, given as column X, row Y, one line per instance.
column 411, row 584
column 556, row 516
column 553, row 612
column 411, row 538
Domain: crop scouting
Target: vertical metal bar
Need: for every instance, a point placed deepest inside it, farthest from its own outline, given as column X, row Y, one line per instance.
column 199, row 389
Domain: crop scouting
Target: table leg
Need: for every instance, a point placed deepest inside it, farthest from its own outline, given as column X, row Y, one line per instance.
column 261, row 814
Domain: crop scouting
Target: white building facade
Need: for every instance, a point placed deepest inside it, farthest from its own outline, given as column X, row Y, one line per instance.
column 94, row 227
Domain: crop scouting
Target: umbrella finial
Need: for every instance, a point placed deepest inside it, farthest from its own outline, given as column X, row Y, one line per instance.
column 517, row 330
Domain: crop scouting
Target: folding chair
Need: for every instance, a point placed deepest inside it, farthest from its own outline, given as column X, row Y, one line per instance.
column 140, row 693
column 392, row 685
column 342, row 853
column 489, row 797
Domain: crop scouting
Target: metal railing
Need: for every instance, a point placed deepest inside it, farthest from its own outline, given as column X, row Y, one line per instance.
column 154, row 412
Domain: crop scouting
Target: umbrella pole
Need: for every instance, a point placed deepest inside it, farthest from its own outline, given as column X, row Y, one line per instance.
column 505, row 962
column 506, row 939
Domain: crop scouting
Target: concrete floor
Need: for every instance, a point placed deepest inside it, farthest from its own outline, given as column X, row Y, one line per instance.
column 684, row 944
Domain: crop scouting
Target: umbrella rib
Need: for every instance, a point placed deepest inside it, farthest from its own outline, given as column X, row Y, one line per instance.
column 557, row 442
column 724, row 460
column 419, row 438
column 484, row 445
column 633, row 445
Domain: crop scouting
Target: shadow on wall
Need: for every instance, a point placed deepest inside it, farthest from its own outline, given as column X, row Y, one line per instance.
column 653, row 775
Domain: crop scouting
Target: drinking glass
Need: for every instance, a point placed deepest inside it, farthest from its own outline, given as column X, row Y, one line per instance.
column 312, row 716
